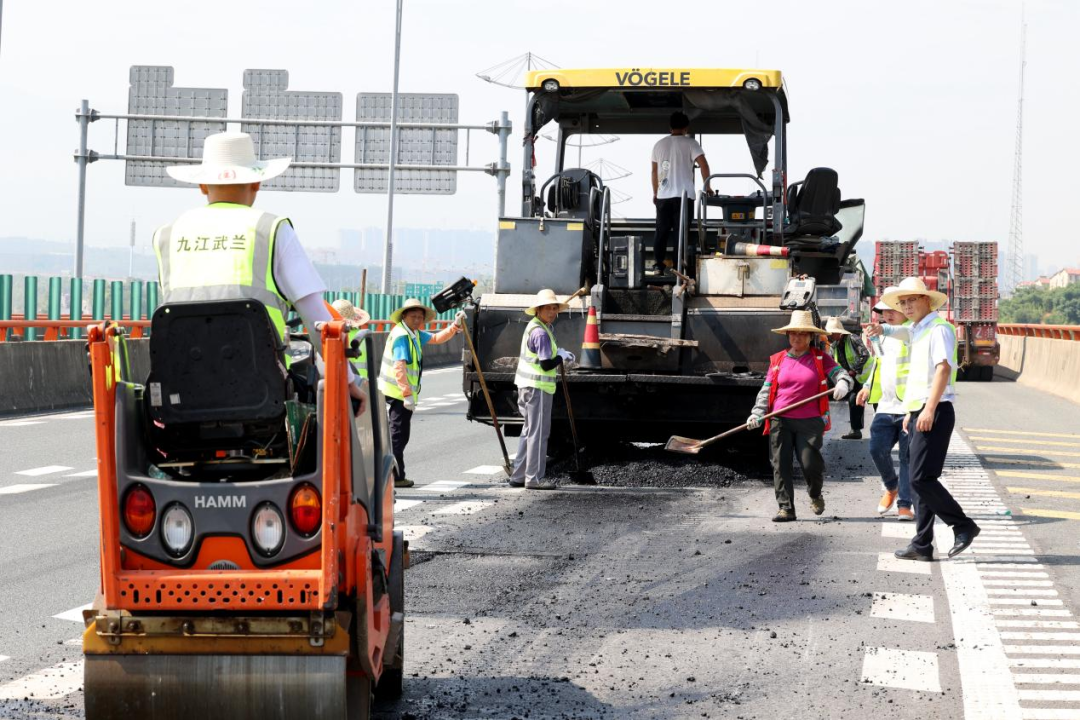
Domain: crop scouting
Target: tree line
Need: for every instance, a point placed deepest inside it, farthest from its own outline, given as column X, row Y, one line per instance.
column 1033, row 305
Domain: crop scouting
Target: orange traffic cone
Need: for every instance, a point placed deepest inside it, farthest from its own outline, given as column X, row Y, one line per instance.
column 590, row 346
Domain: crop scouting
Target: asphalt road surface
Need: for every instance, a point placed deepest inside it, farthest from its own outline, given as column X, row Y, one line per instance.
column 676, row 600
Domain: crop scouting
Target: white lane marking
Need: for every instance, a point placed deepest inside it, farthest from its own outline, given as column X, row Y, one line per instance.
column 900, row 531
column 4, row 657
column 1009, row 574
column 887, row 562
column 988, row 691
column 49, row 684
column 47, row 470
column 1060, row 624
column 400, row 505
column 1042, row 649
column 1014, row 582
column 1068, row 636
column 895, row 606
column 1045, row 662
column 463, row 508
column 1040, row 612
column 414, row 532
column 74, row 614
column 1049, row 714
column 1024, row 601
column 907, row 669
column 21, row 488
column 75, row 641
column 21, row 423
column 1052, row 696
column 84, row 473
column 442, row 486
column 1046, row 679
column 77, row 416
column 485, row 470
column 1027, row 592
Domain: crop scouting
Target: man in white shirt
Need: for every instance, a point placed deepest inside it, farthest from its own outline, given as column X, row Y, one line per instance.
column 673, row 161
column 885, row 391
column 928, row 400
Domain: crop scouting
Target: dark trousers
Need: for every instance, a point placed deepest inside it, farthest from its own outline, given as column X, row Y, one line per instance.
column 667, row 225
column 926, row 458
column 400, row 429
column 791, row 438
column 855, row 412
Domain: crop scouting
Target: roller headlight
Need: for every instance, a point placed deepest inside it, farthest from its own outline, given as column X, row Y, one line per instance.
column 268, row 529
column 177, row 529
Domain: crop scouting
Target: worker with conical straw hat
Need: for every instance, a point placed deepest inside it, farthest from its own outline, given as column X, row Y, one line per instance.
column 795, row 374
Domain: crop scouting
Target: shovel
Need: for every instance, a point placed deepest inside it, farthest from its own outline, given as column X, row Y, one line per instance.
column 688, row 446
column 487, row 396
column 577, row 476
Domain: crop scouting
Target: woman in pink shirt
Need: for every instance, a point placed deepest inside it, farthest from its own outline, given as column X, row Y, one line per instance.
column 795, row 374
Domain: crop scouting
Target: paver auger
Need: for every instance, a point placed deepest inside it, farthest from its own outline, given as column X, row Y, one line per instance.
column 249, row 563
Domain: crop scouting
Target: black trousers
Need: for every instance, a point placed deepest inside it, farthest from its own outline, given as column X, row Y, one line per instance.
column 790, row 439
column 926, row 458
column 667, row 225
column 400, row 429
column 856, row 412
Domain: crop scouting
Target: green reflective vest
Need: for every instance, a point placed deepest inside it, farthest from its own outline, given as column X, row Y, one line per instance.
column 852, row 358
column 221, row 251
column 359, row 363
column 895, row 364
column 920, row 373
column 387, row 379
column 529, row 373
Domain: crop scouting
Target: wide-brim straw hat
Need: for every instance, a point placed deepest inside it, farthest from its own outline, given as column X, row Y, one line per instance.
column 410, row 304
column 229, row 159
column 913, row 286
column 351, row 314
column 833, row 326
column 801, row 321
column 545, row 297
column 881, row 306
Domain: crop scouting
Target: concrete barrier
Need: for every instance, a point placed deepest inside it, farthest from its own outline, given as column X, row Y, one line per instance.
column 1045, row 364
column 50, row 376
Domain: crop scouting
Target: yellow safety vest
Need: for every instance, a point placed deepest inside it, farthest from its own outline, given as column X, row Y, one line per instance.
column 222, row 251
column 898, row 365
column 920, row 373
column 387, row 379
column 359, row 363
column 529, row 373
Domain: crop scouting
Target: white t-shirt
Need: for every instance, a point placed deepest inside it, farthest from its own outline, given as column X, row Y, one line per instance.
column 294, row 274
column 674, row 157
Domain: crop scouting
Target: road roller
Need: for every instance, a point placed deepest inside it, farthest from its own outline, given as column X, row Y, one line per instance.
column 249, row 562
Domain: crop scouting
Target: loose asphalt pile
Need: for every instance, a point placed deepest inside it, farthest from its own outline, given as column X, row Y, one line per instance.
column 633, row 465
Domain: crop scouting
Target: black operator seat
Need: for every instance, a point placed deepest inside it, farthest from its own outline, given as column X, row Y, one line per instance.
column 568, row 195
column 813, row 204
column 217, row 378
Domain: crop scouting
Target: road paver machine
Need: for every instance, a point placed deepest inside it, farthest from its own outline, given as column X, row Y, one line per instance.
column 683, row 352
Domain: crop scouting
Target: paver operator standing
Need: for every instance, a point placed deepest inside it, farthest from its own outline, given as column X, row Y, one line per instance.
column 673, row 161
column 928, row 401
column 402, row 368
column 536, row 378
column 227, row 250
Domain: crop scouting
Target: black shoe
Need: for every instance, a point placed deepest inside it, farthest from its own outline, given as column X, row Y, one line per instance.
column 511, row 483
column 403, row 483
column 784, row 515
column 853, row 435
column 964, row 539
column 910, row 553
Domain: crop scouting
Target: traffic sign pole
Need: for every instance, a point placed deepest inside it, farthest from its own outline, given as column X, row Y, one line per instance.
column 388, row 244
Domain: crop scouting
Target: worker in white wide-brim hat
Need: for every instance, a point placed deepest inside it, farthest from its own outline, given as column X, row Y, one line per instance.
column 795, row 374
column 536, row 378
column 929, row 394
column 850, row 353
column 228, row 250
column 885, row 391
column 402, row 368
column 357, row 320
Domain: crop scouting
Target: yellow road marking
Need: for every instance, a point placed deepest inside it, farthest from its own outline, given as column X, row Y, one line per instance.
column 1061, row 514
column 1046, row 493
column 1021, row 451
column 1036, row 476
column 1020, row 432
column 1040, row 463
column 1025, row 441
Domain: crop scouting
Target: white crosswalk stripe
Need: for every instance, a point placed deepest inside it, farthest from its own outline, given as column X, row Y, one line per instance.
column 51, row 683
column 46, row 470
column 907, row 669
column 20, row 488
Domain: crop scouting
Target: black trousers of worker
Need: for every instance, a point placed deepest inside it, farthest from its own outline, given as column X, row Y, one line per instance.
column 926, row 458
column 400, row 429
column 667, row 225
column 801, row 438
column 856, row 412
